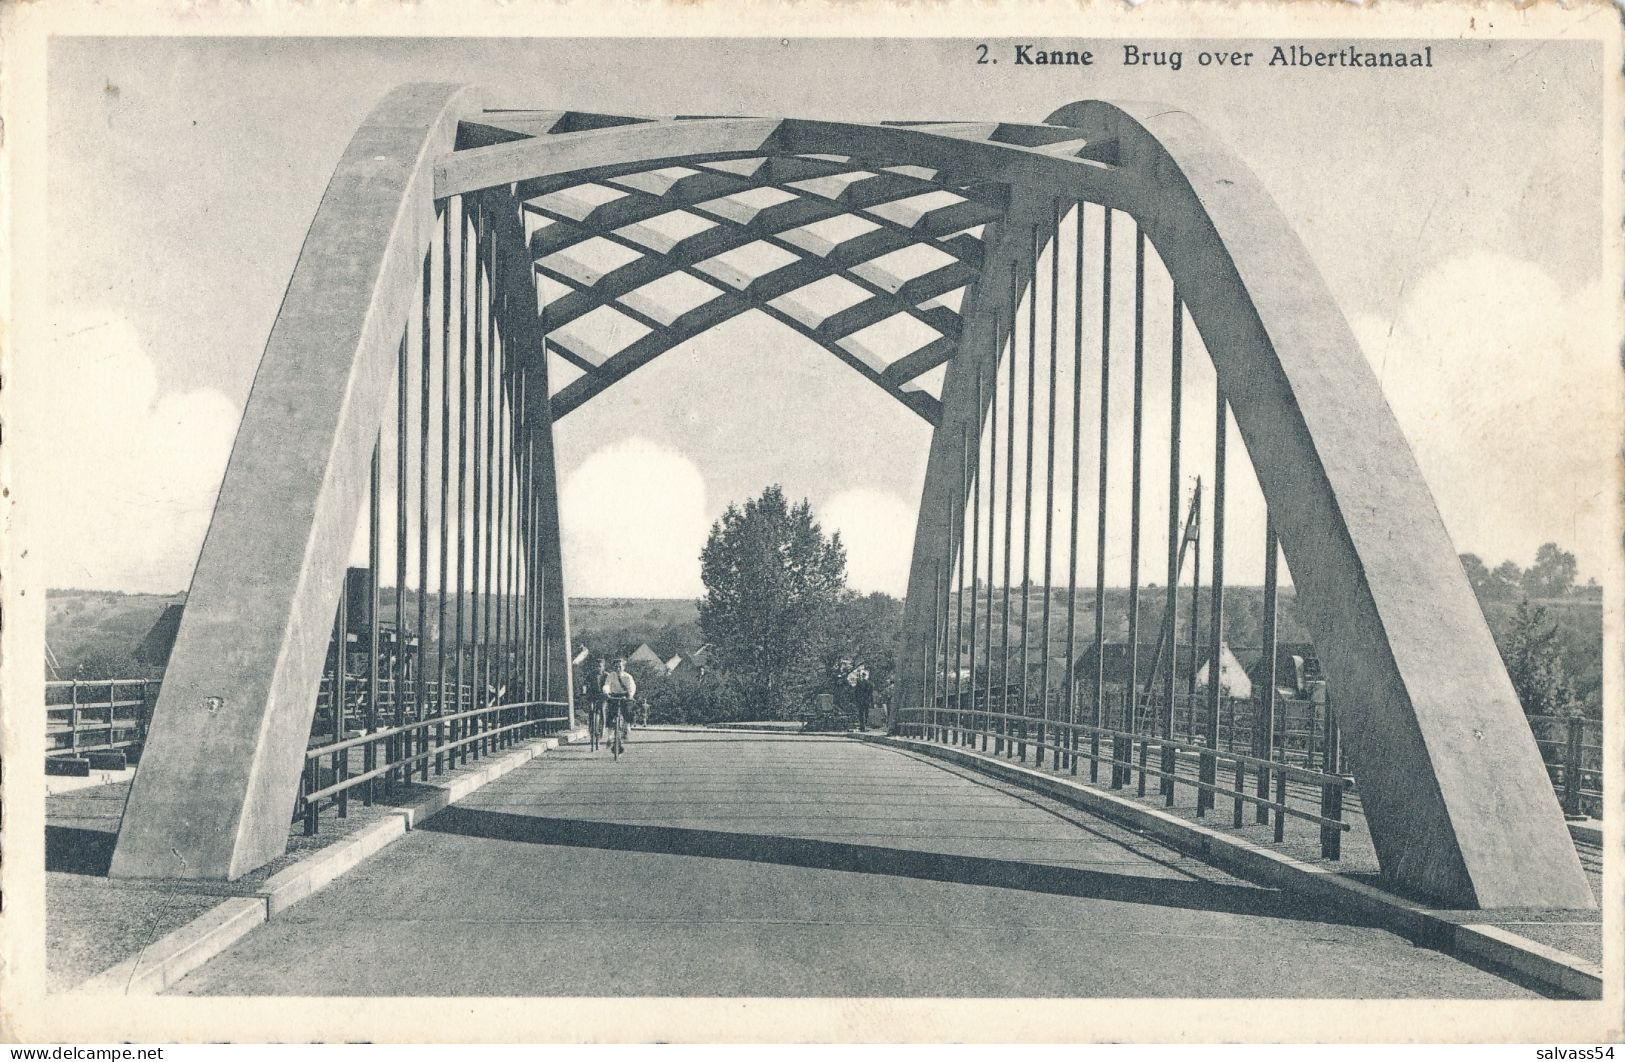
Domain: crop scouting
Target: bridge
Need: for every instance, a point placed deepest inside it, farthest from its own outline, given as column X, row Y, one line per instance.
column 709, row 863
column 474, row 274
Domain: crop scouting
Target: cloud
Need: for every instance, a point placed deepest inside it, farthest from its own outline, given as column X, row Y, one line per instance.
column 129, row 475
column 877, row 528
column 1506, row 386
column 634, row 522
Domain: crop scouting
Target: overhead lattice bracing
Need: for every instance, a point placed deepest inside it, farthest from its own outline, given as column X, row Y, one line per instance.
column 869, row 263
column 906, row 251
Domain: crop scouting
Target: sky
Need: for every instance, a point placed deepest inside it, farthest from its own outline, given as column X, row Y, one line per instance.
column 1455, row 215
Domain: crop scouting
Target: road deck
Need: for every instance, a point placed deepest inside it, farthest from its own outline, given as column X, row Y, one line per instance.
column 1578, row 932
column 719, row 864
column 93, row 922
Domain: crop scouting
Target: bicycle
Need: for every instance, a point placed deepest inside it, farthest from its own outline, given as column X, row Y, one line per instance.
column 617, row 733
column 595, row 725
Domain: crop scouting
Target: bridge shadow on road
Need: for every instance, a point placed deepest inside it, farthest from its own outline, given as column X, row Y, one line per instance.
column 71, row 850
column 1193, row 895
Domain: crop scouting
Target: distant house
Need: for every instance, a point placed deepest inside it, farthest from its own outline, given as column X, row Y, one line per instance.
column 1147, row 666
column 690, row 665
column 1233, row 678
column 1297, row 668
column 1241, row 669
column 642, row 654
column 698, row 658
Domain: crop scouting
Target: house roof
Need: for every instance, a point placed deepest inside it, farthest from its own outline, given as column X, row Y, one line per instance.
column 1248, row 658
column 1233, row 677
column 641, row 651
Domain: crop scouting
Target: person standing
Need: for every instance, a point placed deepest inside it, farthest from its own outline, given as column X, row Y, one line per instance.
column 864, row 694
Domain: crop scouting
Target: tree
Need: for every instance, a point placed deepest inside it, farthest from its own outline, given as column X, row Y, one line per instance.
column 103, row 663
column 1478, row 573
column 1552, row 574
column 1505, row 583
column 1533, row 659
column 864, row 629
column 1243, row 617
column 654, row 683
column 772, row 580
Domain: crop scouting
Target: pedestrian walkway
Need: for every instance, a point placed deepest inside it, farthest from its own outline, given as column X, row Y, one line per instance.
column 736, row 864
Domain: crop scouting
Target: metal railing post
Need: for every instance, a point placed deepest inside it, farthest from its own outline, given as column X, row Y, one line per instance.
column 1571, row 766
column 1145, row 749
column 311, row 782
column 1331, row 807
column 1241, row 786
column 1280, row 800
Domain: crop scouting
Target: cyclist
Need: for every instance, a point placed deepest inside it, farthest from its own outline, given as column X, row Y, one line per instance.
column 591, row 694
column 619, row 689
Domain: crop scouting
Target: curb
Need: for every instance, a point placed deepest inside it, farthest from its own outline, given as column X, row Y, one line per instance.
column 1489, row 947
column 718, row 728
column 290, row 885
column 1539, row 964
column 171, row 958
column 165, row 961
column 1587, row 831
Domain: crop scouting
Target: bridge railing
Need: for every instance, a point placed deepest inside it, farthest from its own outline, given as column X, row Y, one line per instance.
column 1275, row 789
column 411, row 738
column 97, row 715
column 395, row 754
column 1571, row 746
column 393, row 705
column 1306, row 731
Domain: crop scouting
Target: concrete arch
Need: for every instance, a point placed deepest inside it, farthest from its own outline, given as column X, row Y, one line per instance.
column 238, row 697
column 1455, row 791
column 1457, row 797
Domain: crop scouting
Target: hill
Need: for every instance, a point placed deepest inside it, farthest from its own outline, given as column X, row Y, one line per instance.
column 93, row 632
column 609, row 624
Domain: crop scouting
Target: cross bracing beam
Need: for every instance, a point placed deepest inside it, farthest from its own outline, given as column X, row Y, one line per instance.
column 902, row 212
column 903, row 295
column 601, row 374
column 1454, row 792
column 1076, row 176
column 648, row 267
